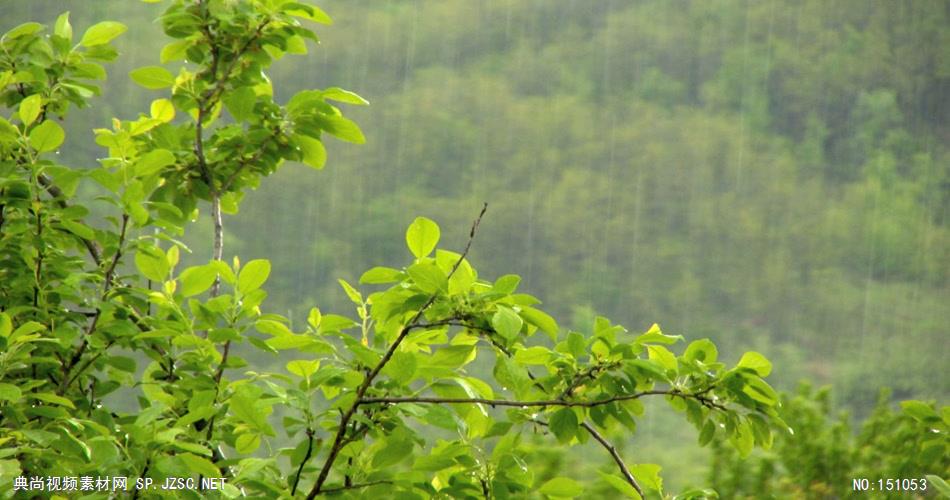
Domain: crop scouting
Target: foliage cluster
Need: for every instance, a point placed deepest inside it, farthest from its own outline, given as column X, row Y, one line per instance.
column 826, row 453
column 112, row 370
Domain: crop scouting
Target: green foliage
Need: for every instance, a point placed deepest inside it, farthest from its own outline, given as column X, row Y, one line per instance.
column 357, row 396
column 825, row 453
column 117, row 359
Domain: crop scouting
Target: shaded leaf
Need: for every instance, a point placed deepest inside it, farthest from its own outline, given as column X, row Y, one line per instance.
column 561, row 487
column 563, row 424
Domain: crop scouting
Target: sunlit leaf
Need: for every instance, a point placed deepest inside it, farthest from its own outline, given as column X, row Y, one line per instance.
column 47, row 136
column 101, row 33
column 422, row 236
column 195, row 280
column 756, row 362
column 152, row 77
column 506, row 322
column 252, row 275
column 561, row 487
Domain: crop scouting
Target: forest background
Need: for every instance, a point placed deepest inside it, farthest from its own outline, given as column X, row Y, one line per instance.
column 771, row 175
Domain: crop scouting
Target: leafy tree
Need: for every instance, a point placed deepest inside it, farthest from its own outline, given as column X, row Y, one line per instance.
column 78, row 322
column 825, row 454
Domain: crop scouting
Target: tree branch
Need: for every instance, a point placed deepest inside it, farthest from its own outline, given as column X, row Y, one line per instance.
column 538, row 403
column 293, row 490
column 368, row 381
column 91, row 246
column 615, row 455
column 338, row 489
column 106, row 286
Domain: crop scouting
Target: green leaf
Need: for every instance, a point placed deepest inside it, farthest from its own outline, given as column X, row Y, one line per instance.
column 536, row 355
column 303, row 368
column 271, row 327
column 654, row 335
column 381, row 275
column 47, row 136
column 662, row 355
column 10, row 392
column 74, row 445
column 743, row 439
column 919, row 411
column 240, row 103
column 562, row 487
column 706, row 435
column 759, row 390
column 428, row 277
column 648, row 475
column 463, row 278
column 314, row 317
column 309, row 12
column 79, row 229
column 506, row 322
column 701, row 350
column 452, row 357
column 253, row 275
column 6, row 324
column 23, row 29
column 163, row 110
column 422, row 237
column 340, row 95
column 396, row 449
column 335, row 322
column 8, row 132
column 245, row 405
column 101, row 33
column 342, row 128
column 54, row 399
column 351, row 292
column 152, row 77
column 152, row 263
column 756, row 362
column 563, row 424
column 175, row 51
column 153, row 162
column 62, row 28
column 620, row 485
column 540, row 319
column 939, row 484
column 247, row 443
column 506, row 284
column 199, row 465
column 195, row 280
column 444, row 418
column 30, row 108
column 123, row 363
column 402, row 367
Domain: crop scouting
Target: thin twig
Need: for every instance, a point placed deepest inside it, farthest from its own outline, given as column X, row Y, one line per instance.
column 293, row 490
column 91, row 246
column 368, row 381
column 338, row 489
column 615, row 455
column 106, row 286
